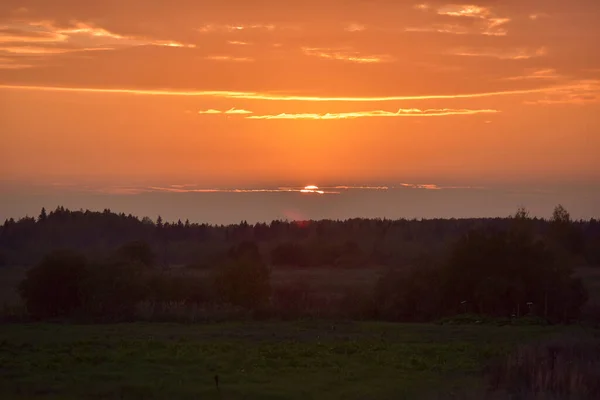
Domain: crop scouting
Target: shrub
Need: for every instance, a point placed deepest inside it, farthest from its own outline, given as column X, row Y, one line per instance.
column 244, row 279
column 111, row 291
column 136, row 252
column 53, row 288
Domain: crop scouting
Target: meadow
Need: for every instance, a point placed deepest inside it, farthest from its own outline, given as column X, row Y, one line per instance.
column 302, row 359
column 254, row 360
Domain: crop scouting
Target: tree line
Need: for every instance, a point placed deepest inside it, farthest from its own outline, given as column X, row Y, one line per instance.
column 350, row 243
column 511, row 269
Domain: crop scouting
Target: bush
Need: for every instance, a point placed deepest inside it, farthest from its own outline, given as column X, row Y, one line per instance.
column 408, row 294
column 112, row 291
column 53, row 288
column 64, row 285
column 136, row 252
column 244, row 279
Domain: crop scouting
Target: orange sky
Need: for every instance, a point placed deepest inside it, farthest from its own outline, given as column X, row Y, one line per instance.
column 240, row 93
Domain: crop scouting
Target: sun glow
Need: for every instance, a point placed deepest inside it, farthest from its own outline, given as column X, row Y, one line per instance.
column 312, row 189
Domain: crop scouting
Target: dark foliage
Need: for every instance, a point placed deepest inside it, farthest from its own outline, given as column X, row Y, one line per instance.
column 500, row 274
column 501, row 268
column 507, row 273
column 54, row 288
column 136, row 252
column 112, row 290
column 354, row 242
column 244, row 279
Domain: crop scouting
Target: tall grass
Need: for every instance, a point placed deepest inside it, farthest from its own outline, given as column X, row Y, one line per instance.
column 565, row 368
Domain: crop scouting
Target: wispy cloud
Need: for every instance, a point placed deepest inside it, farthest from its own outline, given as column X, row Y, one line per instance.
column 42, row 50
column 299, row 98
column 355, row 28
column 228, row 58
column 513, row 54
column 421, row 186
column 343, row 187
column 432, row 186
column 536, row 74
column 440, row 28
column 486, row 22
column 311, row 189
column 345, row 55
column 210, row 111
column 8, row 35
column 231, row 111
column 472, row 11
column 238, row 43
column 237, row 111
column 46, row 38
column 209, row 28
column 300, row 190
column 411, row 112
column 536, row 16
column 9, row 63
column 585, row 92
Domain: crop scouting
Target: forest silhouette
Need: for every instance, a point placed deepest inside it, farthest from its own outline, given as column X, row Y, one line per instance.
column 108, row 266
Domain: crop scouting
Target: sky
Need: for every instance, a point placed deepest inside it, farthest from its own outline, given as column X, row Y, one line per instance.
column 235, row 109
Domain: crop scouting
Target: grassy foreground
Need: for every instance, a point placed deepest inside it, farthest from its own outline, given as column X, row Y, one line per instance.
column 273, row 360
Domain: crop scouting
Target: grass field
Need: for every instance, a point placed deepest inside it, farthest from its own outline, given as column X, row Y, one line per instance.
column 274, row 360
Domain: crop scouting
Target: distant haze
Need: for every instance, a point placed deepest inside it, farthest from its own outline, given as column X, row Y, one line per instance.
column 254, row 206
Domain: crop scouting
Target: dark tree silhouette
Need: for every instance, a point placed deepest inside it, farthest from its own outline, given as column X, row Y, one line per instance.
column 53, row 287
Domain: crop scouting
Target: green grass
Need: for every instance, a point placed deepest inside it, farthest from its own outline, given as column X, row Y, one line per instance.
column 274, row 360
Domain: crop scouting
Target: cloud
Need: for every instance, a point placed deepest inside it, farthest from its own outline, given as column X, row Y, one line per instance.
column 8, row 35
column 210, row 28
column 440, row 28
column 238, row 43
column 237, row 111
column 358, row 187
column 345, row 55
column 514, row 54
column 464, row 11
column 421, row 186
column 9, row 63
column 582, row 93
column 536, row 16
column 304, row 190
column 41, row 50
column 228, row 58
column 431, row 186
column 46, row 38
column 478, row 20
column 285, row 97
column 232, row 111
column 536, row 74
column 355, row 28
column 309, row 189
column 411, row 112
